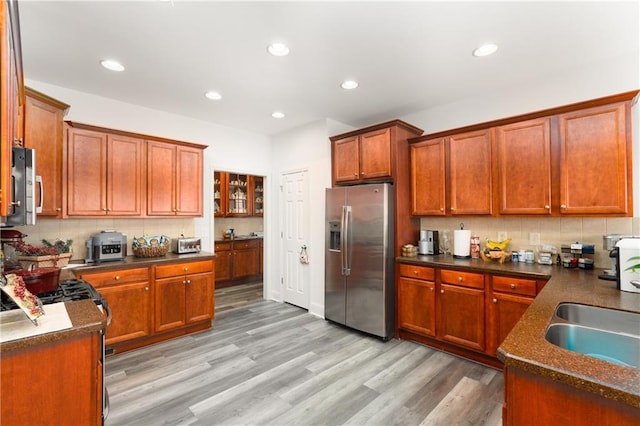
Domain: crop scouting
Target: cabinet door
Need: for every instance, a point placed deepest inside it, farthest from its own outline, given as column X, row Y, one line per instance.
column 43, row 132
column 161, row 179
column 346, row 160
column 428, row 178
column 375, row 154
column 470, row 177
column 124, row 175
column 86, row 173
column 416, row 306
column 223, row 261
column 170, row 303
column 246, row 262
column 220, row 194
column 238, row 195
column 199, row 297
column 131, row 308
column 524, row 186
column 462, row 316
column 594, row 161
column 505, row 310
column 189, row 181
column 257, row 192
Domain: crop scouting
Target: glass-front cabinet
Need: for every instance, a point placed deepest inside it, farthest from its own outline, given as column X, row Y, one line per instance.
column 258, row 195
column 237, row 195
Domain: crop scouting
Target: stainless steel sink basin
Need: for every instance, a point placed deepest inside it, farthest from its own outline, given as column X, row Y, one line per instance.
column 617, row 348
column 600, row 318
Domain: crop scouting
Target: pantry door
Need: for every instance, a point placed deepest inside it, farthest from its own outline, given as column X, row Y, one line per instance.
column 295, row 238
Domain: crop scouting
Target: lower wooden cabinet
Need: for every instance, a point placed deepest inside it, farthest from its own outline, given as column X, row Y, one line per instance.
column 154, row 303
column 238, row 261
column 467, row 313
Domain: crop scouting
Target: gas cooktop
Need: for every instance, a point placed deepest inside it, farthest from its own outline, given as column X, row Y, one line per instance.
column 67, row 291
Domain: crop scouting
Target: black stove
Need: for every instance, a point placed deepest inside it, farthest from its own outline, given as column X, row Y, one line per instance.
column 67, row 291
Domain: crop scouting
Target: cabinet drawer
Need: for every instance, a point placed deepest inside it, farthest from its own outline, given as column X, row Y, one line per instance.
column 243, row 245
column 178, row 269
column 514, row 285
column 420, row 272
column 222, row 247
column 465, row 279
column 121, row 276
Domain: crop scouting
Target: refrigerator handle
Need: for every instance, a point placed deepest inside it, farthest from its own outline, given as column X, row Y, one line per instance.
column 345, row 240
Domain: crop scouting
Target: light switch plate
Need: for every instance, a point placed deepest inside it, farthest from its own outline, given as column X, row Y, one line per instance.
column 502, row 235
column 534, row 238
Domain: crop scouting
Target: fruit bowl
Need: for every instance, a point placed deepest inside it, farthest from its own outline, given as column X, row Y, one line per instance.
column 495, row 255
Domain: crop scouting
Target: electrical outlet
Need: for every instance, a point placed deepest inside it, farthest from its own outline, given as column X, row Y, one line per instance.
column 502, row 235
column 534, row 238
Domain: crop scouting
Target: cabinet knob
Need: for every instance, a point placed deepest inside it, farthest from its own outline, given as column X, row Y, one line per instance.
column 355, row 174
column 415, row 272
column 117, row 277
column 430, row 288
column 441, row 291
column 146, row 289
column 59, row 209
column 441, row 209
column 512, row 285
column 186, row 268
column 452, row 209
column 563, row 206
column 495, row 300
column 188, row 281
column 547, row 207
column 361, row 173
column 459, row 279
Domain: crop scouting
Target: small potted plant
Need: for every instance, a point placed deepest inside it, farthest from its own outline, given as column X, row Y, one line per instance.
column 56, row 254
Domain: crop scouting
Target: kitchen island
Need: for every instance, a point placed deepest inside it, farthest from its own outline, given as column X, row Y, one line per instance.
column 56, row 377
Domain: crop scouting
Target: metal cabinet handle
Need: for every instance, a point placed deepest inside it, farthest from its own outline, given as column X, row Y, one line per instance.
column 512, row 285
column 441, row 291
column 547, row 207
column 495, row 300
column 117, row 277
column 459, row 279
column 563, row 206
column 146, row 289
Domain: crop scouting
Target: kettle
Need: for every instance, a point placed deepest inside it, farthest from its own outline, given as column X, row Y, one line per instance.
column 628, row 272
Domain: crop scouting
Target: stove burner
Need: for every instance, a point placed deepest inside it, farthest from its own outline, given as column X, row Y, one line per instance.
column 67, row 291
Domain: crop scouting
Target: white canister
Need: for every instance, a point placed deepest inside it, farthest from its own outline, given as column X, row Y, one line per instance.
column 461, row 243
column 629, row 264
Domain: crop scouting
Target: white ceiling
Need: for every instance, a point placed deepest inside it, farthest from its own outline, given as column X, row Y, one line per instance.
column 407, row 56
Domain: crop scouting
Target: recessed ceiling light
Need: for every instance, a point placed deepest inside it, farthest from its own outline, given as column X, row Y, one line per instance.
column 278, row 49
column 277, row 114
column 485, row 50
column 213, row 96
column 112, row 65
column 349, row 84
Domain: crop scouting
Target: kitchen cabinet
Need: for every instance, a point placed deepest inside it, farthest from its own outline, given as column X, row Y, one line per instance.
column 104, row 173
column 417, row 299
column 43, row 130
column 58, row 382
column 461, row 307
column 238, row 195
column 369, row 154
column 257, row 186
column 174, row 179
column 129, row 294
column 238, row 261
column 509, row 298
column 525, row 186
column 452, row 175
column 12, row 99
column 219, row 194
column 184, row 294
column 595, row 160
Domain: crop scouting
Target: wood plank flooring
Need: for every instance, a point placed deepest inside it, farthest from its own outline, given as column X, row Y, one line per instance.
column 269, row 363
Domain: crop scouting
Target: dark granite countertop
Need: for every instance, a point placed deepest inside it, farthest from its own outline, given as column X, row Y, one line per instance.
column 238, row 238
column 85, row 317
column 134, row 262
column 526, row 348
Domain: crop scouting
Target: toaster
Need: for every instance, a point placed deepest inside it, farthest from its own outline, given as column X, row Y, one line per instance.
column 106, row 246
column 184, row 245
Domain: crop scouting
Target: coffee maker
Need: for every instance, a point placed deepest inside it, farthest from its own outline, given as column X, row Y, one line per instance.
column 609, row 244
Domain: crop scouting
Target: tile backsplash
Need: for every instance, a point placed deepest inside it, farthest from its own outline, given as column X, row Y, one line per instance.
column 79, row 230
column 553, row 231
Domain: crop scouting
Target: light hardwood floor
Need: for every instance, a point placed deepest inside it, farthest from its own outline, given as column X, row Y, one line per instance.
column 269, row 363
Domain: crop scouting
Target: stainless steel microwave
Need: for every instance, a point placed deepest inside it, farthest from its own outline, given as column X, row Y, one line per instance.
column 23, row 208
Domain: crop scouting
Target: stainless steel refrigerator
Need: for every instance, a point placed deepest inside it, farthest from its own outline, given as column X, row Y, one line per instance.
column 359, row 279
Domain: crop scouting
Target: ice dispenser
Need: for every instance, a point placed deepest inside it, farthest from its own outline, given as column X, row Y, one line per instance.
column 334, row 235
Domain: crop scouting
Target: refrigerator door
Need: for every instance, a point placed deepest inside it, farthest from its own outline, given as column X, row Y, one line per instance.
column 369, row 289
column 334, row 287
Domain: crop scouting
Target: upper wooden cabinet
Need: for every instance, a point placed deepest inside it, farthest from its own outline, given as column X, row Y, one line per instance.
column 595, row 160
column 370, row 154
column 524, row 167
column 104, row 174
column 43, row 131
column 237, row 194
column 570, row 160
column 257, row 186
column 452, row 175
column 174, row 180
column 12, row 99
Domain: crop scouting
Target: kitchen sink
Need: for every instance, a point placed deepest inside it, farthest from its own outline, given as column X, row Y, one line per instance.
column 601, row 318
column 618, row 348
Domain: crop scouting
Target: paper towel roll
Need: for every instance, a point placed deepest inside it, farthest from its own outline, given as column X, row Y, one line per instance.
column 461, row 243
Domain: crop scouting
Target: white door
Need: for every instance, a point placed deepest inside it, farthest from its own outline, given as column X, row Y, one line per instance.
column 295, row 238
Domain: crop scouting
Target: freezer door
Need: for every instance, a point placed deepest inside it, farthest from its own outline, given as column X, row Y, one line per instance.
column 334, row 285
column 369, row 284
